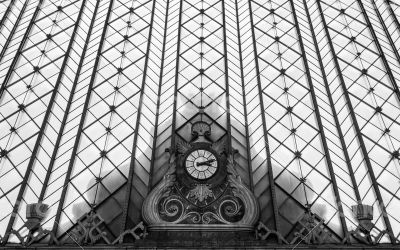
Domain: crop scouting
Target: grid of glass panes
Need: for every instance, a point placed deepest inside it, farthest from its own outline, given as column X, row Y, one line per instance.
column 93, row 92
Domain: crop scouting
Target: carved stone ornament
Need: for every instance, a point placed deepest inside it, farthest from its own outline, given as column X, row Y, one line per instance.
column 217, row 203
column 201, row 192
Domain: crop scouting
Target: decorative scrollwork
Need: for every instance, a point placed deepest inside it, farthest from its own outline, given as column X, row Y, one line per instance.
column 231, row 208
column 163, row 190
column 172, row 209
column 175, row 209
column 240, row 191
column 229, row 202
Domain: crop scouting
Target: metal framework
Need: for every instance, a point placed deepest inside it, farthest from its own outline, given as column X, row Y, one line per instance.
column 94, row 93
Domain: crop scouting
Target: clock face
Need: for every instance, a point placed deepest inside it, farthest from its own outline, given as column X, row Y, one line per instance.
column 201, row 164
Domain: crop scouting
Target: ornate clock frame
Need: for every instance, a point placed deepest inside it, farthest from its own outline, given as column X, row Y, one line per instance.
column 180, row 202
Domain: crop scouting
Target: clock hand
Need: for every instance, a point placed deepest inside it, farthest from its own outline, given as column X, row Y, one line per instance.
column 203, row 163
column 208, row 163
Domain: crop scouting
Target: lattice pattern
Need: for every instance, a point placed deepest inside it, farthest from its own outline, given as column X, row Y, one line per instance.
column 201, row 83
column 372, row 91
column 92, row 93
column 167, row 90
column 294, row 137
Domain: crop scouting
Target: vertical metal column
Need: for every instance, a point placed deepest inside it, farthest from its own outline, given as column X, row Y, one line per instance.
column 228, row 117
column 378, row 45
column 132, row 165
column 153, row 154
column 260, row 95
column 355, row 123
column 81, row 122
column 178, row 50
column 320, row 126
column 244, row 99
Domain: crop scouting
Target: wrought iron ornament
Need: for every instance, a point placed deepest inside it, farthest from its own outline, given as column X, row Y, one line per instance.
column 88, row 230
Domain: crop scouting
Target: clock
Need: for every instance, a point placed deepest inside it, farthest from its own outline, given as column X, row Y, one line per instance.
column 201, row 164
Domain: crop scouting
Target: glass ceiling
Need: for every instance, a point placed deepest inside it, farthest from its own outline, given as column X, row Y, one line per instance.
column 93, row 93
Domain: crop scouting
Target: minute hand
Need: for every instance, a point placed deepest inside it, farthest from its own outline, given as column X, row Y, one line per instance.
column 208, row 163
